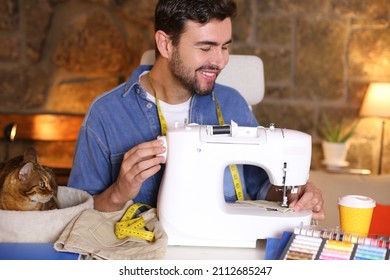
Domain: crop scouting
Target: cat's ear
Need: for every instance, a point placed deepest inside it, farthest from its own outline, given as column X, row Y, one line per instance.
column 30, row 155
column 25, row 171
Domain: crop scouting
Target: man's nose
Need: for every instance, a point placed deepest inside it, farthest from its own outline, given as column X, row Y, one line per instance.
column 219, row 58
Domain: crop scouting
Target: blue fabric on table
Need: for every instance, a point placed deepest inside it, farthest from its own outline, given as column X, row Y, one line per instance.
column 33, row 251
column 275, row 246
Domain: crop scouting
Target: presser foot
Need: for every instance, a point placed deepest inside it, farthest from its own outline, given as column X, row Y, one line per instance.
column 292, row 189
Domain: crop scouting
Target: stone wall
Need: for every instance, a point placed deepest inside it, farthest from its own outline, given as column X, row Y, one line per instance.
column 319, row 57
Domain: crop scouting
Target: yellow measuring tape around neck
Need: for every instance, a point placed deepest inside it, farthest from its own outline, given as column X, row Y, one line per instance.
column 129, row 226
column 233, row 167
column 163, row 122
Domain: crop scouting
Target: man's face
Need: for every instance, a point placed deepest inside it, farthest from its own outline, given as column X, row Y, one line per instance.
column 201, row 54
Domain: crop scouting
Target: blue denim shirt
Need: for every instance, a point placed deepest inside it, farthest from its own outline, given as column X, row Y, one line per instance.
column 123, row 118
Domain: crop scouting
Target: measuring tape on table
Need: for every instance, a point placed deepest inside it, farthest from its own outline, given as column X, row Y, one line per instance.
column 129, row 226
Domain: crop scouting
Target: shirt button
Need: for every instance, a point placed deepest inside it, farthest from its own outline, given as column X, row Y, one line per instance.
column 137, row 91
column 149, row 105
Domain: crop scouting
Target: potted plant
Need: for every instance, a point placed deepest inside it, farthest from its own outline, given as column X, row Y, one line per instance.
column 335, row 141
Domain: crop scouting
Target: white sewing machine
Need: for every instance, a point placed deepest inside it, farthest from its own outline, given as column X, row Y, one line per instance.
column 191, row 204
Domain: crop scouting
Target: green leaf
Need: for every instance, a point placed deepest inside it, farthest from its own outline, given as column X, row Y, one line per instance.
column 337, row 132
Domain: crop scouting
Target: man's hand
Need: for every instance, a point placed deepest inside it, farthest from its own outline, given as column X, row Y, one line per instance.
column 308, row 197
column 139, row 163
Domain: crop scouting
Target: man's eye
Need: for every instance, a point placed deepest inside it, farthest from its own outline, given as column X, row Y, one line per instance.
column 226, row 47
column 205, row 49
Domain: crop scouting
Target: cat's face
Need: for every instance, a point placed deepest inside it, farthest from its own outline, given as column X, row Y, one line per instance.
column 26, row 185
column 36, row 183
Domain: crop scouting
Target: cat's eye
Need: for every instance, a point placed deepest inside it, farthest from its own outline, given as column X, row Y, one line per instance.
column 42, row 185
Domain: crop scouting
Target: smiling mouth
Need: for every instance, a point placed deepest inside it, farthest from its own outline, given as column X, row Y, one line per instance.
column 209, row 74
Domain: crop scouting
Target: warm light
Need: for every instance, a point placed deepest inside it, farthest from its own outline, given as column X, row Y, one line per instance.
column 13, row 132
column 10, row 131
column 377, row 101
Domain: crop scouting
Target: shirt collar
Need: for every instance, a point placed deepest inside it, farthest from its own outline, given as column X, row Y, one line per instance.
column 134, row 79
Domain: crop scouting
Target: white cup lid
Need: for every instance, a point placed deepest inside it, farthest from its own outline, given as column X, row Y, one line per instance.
column 357, row 201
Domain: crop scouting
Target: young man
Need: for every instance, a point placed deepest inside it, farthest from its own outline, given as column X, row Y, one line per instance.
column 118, row 158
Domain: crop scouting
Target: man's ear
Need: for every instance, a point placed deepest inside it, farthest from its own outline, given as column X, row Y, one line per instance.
column 163, row 43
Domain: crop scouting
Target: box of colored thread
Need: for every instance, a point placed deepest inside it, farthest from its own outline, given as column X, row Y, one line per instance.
column 312, row 243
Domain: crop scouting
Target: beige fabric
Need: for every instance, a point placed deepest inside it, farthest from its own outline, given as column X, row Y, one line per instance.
column 43, row 226
column 272, row 205
column 91, row 234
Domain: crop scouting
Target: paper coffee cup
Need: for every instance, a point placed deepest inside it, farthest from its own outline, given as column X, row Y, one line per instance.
column 356, row 213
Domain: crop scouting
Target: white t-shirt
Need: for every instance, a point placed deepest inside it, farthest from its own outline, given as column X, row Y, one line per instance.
column 172, row 113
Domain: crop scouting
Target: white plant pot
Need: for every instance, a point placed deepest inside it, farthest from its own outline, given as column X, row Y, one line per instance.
column 335, row 154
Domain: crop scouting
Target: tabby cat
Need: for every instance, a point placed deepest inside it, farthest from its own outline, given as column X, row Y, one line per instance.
column 25, row 185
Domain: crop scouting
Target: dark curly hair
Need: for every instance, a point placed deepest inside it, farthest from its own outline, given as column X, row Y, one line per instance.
column 171, row 15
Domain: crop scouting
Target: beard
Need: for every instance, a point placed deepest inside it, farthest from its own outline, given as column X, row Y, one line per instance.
column 188, row 78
